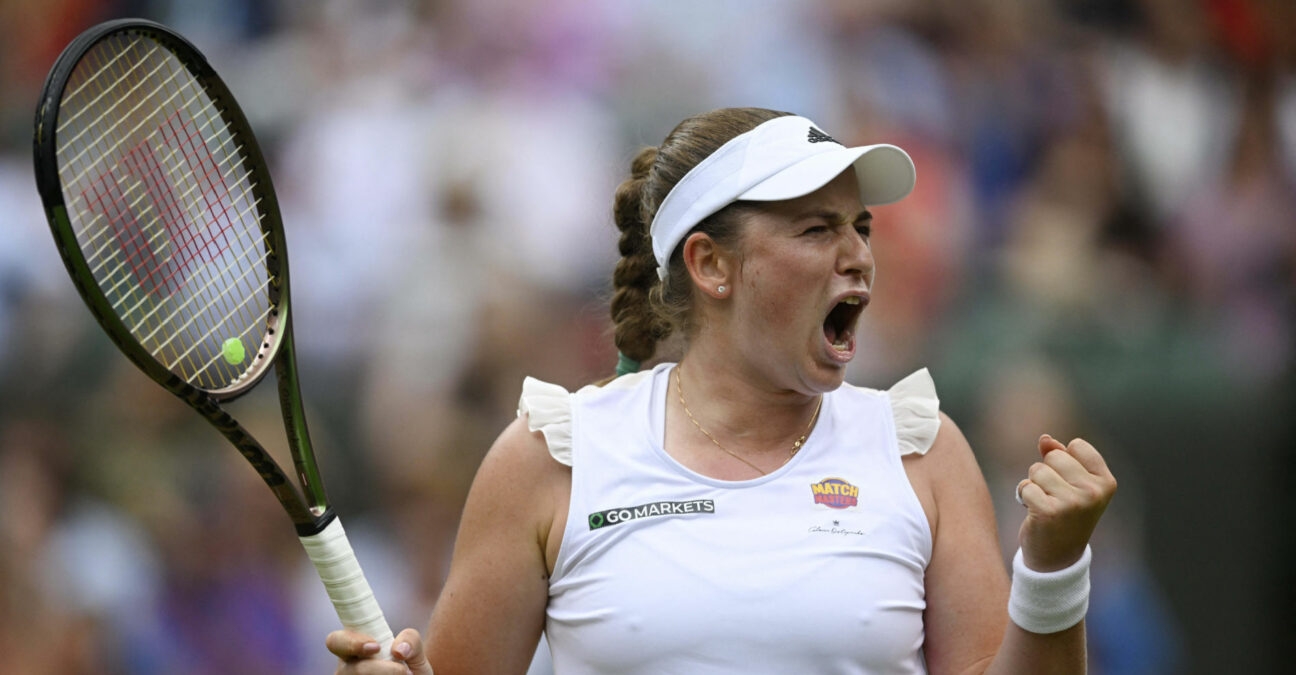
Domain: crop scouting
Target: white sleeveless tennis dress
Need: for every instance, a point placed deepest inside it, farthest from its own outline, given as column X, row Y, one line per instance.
column 816, row 568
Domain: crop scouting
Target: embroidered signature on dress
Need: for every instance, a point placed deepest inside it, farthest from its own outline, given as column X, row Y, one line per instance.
column 843, row 531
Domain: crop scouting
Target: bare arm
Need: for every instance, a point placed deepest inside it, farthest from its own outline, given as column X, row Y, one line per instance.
column 966, row 622
column 490, row 614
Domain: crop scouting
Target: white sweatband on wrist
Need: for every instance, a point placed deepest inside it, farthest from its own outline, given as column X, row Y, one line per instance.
column 1049, row 602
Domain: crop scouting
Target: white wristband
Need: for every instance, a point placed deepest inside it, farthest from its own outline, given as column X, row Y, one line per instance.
column 1049, row 602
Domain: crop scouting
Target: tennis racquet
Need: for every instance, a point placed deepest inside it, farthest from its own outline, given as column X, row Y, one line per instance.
column 163, row 211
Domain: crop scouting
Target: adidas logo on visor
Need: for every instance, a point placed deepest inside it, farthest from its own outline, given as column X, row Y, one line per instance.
column 817, row 136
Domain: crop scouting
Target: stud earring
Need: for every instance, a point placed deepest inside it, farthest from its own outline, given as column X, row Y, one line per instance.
column 720, row 289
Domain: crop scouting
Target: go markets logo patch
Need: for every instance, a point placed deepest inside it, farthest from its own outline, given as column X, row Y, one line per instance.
column 601, row 519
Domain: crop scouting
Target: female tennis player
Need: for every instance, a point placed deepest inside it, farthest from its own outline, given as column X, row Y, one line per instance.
column 744, row 510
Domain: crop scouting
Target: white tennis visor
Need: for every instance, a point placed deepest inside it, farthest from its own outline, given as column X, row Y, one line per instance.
column 784, row 158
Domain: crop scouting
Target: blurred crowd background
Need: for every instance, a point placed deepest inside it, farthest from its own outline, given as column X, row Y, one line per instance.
column 1101, row 243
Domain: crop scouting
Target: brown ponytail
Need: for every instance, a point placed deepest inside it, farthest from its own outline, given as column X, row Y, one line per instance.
column 644, row 309
column 638, row 328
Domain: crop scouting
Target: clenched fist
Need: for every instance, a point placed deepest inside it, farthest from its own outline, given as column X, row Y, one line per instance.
column 1065, row 495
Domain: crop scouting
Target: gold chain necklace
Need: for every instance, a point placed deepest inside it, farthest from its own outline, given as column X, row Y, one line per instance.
column 796, row 447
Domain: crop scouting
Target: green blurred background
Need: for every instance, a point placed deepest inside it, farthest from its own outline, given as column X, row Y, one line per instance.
column 1102, row 243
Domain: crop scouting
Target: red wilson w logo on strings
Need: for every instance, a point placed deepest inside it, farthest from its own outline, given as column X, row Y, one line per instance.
column 164, row 234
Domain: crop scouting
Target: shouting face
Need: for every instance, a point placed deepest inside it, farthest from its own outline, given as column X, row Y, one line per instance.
column 800, row 280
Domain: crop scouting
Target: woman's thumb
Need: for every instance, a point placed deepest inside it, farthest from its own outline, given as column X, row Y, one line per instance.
column 408, row 649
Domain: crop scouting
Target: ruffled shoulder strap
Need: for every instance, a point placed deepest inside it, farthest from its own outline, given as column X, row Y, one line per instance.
column 917, row 412
column 548, row 410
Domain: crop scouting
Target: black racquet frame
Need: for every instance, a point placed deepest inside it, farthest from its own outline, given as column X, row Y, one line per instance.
column 307, row 507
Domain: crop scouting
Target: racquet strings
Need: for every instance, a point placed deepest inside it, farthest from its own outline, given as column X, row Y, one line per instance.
column 163, row 207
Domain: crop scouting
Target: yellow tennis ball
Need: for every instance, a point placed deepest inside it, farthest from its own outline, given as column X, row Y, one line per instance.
column 233, row 351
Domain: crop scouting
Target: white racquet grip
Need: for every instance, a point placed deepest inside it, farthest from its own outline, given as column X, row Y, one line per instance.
column 346, row 585
column 1049, row 602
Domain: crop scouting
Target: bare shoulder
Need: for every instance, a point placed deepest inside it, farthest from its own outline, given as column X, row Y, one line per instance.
column 520, row 450
column 519, row 479
column 519, row 471
column 945, row 471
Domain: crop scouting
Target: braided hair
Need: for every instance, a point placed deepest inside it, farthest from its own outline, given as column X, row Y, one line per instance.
column 646, row 309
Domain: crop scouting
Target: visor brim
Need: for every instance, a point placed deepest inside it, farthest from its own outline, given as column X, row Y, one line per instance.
column 885, row 173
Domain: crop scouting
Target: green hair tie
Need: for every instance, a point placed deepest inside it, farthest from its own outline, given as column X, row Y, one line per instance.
column 626, row 365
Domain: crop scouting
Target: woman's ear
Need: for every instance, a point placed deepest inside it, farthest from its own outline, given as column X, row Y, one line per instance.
column 709, row 265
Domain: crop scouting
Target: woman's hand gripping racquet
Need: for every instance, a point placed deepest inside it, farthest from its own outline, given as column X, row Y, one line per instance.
column 164, row 214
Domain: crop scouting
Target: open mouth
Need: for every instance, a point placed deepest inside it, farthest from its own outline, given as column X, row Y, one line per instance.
column 839, row 326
